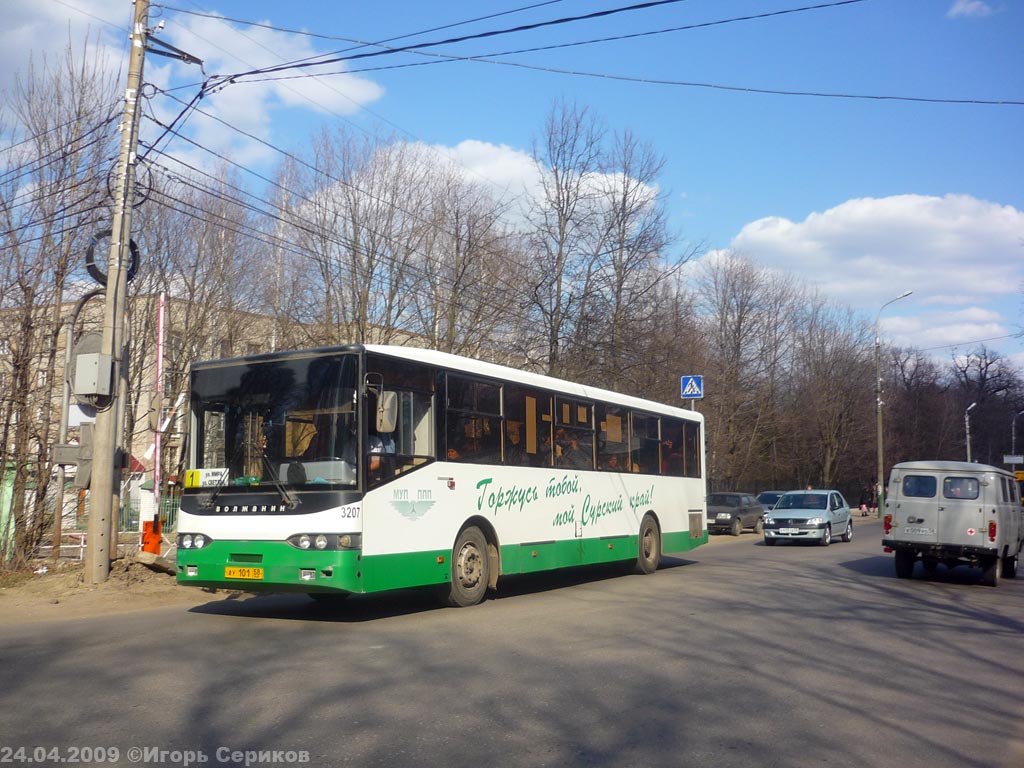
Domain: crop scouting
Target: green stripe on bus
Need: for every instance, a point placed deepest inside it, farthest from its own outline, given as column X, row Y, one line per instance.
column 282, row 565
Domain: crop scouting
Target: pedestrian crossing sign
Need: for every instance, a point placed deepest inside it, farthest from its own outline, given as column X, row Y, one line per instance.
column 691, row 387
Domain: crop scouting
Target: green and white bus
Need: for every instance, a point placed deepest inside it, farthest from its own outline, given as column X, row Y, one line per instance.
column 363, row 468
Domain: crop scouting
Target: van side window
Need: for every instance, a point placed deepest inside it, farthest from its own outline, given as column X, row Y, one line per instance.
column 919, row 486
column 960, row 487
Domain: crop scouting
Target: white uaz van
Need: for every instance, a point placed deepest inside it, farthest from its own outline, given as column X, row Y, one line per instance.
column 954, row 512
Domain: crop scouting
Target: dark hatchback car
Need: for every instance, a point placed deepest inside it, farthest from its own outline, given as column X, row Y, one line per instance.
column 732, row 512
column 769, row 499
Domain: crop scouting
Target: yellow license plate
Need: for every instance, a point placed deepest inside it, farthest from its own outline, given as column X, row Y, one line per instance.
column 253, row 574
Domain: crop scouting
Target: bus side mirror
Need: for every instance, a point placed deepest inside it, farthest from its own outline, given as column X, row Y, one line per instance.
column 387, row 411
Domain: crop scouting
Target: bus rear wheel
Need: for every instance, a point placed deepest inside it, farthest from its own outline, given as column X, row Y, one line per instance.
column 470, row 569
column 649, row 554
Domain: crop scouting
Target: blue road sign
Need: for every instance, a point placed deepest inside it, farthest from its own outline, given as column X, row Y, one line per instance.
column 691, row 387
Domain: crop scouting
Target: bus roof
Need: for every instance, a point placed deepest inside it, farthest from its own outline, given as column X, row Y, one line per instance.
column 475, row 367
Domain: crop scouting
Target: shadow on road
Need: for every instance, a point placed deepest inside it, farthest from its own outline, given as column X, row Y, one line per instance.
column 405, row 602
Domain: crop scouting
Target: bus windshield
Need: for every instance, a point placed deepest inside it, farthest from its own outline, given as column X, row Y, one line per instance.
column 286, row 421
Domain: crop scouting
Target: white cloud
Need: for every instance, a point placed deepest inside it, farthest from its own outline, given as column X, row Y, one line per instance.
column 962, row 257
column 33, row 30
column 505, row 169
column 970, row 8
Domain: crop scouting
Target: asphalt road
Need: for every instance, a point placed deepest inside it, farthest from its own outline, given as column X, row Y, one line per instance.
column 735, row 655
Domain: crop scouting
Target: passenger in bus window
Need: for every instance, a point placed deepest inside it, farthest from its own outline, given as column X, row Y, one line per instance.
column 671, row 459
column 514, row 453
column 573, row 456
column 381, row 450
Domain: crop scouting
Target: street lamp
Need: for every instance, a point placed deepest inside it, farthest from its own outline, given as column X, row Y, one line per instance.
column 880, row 480
column 1013, row 433
column 967, row 429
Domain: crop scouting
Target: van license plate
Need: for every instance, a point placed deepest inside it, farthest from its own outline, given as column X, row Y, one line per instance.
column 917, row 531
column 253, row 574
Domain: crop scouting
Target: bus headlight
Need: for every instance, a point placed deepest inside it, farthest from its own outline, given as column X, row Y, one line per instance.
column 326, row 541
column 192, row 540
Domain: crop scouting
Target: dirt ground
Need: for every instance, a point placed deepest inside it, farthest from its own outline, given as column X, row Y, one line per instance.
column 61, row 592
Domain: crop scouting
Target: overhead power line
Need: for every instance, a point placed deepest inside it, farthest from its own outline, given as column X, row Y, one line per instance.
column 451, row 40
column 442, row 58
column 317, row 36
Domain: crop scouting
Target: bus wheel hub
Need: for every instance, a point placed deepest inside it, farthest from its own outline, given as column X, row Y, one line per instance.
column 469, row 567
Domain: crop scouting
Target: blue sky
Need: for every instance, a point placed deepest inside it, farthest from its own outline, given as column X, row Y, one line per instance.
column 862, row 198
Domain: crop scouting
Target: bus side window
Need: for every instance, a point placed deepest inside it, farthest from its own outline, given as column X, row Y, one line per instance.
column 643, row 443
column 473, row 417
column 527, row 435
column 612, row 438
column 672, row 447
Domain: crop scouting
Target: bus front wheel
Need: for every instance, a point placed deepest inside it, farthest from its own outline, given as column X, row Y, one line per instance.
column 470, row 572
column 649, row 554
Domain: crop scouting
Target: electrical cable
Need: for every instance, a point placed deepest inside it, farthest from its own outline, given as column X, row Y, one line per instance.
column 317, row 36
column 227, row 79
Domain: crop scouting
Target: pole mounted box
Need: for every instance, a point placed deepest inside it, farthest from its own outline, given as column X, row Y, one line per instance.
column 93, row 374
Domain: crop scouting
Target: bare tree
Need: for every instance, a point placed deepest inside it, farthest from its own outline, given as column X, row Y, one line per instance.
column 357, row 216
column 630, row 260
column 563, row 224
column 52, row 201
column 458, row 282
column 831, row 396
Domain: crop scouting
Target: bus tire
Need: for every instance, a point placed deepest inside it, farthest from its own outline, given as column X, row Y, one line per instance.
column 470, row 569
column 649, row 546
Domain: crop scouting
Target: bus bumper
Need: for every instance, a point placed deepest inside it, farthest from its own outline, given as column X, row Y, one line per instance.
column 270, row 566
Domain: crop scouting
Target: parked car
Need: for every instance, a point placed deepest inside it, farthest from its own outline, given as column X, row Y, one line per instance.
column 732, row 512
column 815, row 515
column 953, row 512
column 768, row 499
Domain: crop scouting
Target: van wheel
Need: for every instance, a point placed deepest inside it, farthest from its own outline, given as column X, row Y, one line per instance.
column 737, row 527
column 990, row 571
column 848, row 535
column 649, row 554
column 905, row 563
column 469, row 569
column 1010, row 567
column 826, row 536
column 759, row 526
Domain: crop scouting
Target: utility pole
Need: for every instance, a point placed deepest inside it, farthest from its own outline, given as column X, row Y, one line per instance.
column 105, row 494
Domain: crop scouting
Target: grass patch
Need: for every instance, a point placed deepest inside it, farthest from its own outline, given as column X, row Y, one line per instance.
column 10, row 579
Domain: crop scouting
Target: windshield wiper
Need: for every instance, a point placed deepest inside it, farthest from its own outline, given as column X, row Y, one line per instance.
column 286, row 496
